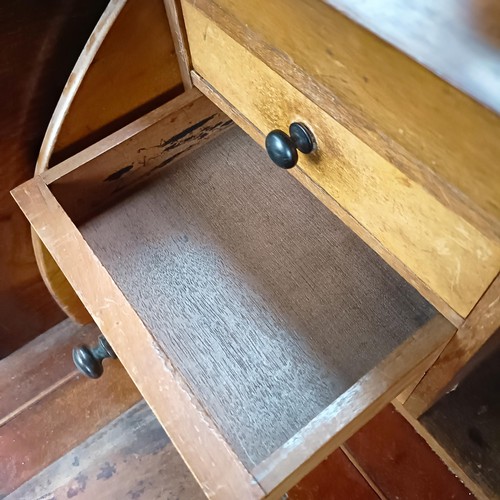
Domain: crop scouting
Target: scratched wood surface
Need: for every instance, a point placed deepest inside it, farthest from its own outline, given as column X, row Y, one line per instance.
column 96, row 177
column 39, row 367
column 54, row 424
column 439, row 137
column 132, row 457
column 226, row 246
column 449, row 256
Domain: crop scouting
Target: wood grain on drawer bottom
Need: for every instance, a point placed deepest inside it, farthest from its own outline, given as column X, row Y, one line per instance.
column 450, row 256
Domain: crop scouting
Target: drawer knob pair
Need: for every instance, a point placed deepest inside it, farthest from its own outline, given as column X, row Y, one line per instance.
column 282, row 148
column 89, row 360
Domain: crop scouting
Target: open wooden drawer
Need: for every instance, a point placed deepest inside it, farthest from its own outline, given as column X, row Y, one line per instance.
column 261, row 330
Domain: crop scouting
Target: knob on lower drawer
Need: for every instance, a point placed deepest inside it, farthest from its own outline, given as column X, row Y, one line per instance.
column 89, row 360
column 282, row 149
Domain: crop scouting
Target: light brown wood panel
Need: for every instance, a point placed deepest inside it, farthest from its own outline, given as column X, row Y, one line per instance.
column 432, row 132
column 330, row 202
column 478, row 328
column 449, row 255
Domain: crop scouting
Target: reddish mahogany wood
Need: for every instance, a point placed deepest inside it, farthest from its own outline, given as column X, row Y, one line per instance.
column 335, row 478
column 400, row 462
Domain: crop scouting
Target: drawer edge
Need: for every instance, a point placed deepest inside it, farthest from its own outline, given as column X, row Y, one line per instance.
column 348, row 413
column 218, row 470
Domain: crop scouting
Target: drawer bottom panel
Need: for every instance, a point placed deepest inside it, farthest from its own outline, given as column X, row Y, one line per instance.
column 268, row 305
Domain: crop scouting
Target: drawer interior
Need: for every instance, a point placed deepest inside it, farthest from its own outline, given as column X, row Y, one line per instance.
column 265, row 302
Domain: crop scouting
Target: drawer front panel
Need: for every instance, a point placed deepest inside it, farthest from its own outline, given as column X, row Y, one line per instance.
column 444, row 251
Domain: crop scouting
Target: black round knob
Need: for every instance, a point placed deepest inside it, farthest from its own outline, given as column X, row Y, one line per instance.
column 282, row 148
column 89, row 360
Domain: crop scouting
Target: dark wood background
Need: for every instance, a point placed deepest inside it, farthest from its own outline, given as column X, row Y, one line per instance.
column 39, row 45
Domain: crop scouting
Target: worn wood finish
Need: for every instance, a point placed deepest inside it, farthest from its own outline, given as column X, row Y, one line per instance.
column 225, row 245
column 218, row 468
column 136, row 31
column 32, row 78
column 412, row 118
column 329, row 202
column 431, row 359
column 91, row 180
column 466, row 422
column 59, row 421
column 478, row 328
column 463, row 48
column 400, row 462
column 131, row 457
column 334, row 478
column 39, row 367
column 448, row 254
